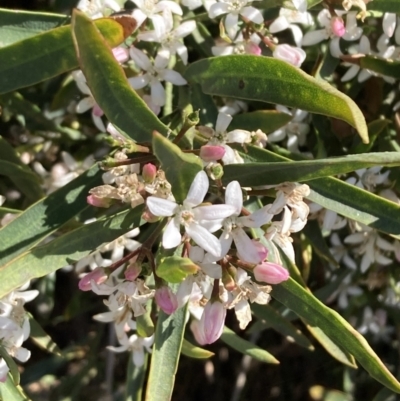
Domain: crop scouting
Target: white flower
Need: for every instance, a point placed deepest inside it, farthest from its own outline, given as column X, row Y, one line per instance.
column 295, row 131
column 238, row 46
column 219, row 136
column 233, row 226
column 136, row 345
column 170, row 39
column 98, row 8
column 287, row 18
column 152, row 9
column 154, row 74
column 88, row 102
column 234, row 8
column 192, row 216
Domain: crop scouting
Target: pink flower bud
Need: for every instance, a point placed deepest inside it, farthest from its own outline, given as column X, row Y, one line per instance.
column 121, row 54
column 97, row 111
column 270, row 273
column 292, row 55
column 166, row 299
column 252, row 48
column 212, row 322
column 337, row 26
column 98, row 202
column 149, row 172
column 133, row 271
column 211, row 153
column 98, row 275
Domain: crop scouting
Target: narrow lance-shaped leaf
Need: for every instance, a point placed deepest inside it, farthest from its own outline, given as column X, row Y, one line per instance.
column 246, row 347
column 266, row 120
column 388, row 67
column 304, row 304
column 65, row 250
column 180, row 168
column 191, row 351
column 46, row 216
column 345, row 199
column 388, row 6
column 47, row 55
column 165, row 356
column 254, row 174
column 274, row 81
column 16, row 25
column 108, row 84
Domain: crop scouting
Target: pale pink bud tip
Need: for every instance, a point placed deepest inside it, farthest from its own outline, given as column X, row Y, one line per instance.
column 166, row 300
column 252, row 48
column 133, row 271
column 211, row 323
column 212, row 152
column 98, row 202
column 121, row 54
column 97, row 111
column 149, row 172
column 337, row 26
column 271, row 273
column 292, row 55
column 97, row 275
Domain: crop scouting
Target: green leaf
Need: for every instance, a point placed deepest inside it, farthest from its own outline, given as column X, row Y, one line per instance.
column 388, row 67
column 343, row 198
column 266, row 120
column 46, row 216
column 274, row 81
column 65, row 249
column 41, row 338
column 135, row 376
column 165, row 356
column 304, row 304
column 175, row 269
column 388, row 6
column 47, row 55
column 333, row 349
column 191, row 351
column 269, row 317
column 16, row 25
column 108, row 84
column 180, row 168
column 375, row 128
column 255, row 174
column 246, row 347
column 9, row 391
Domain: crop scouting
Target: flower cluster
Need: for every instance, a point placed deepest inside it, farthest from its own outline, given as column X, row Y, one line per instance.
column 14, row 327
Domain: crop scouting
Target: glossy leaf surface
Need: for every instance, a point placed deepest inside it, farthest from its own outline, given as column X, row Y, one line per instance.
column 46, row 55
column 304, row 304
column 274, row 81
column 108, row 84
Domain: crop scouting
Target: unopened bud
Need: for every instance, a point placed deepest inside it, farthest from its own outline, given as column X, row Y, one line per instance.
column 252, row 48
column 121, row 54
column 271, row 273
column 97, row 111
column 290, row 54
column 166, row 299
column 98, row 275
column 211, row 153
column 133, row 271
column 337, row 26
column 99, row 202
column 212, row 322
column 149, row 172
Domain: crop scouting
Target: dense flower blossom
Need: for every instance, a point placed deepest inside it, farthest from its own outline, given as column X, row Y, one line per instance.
column 192, row 216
